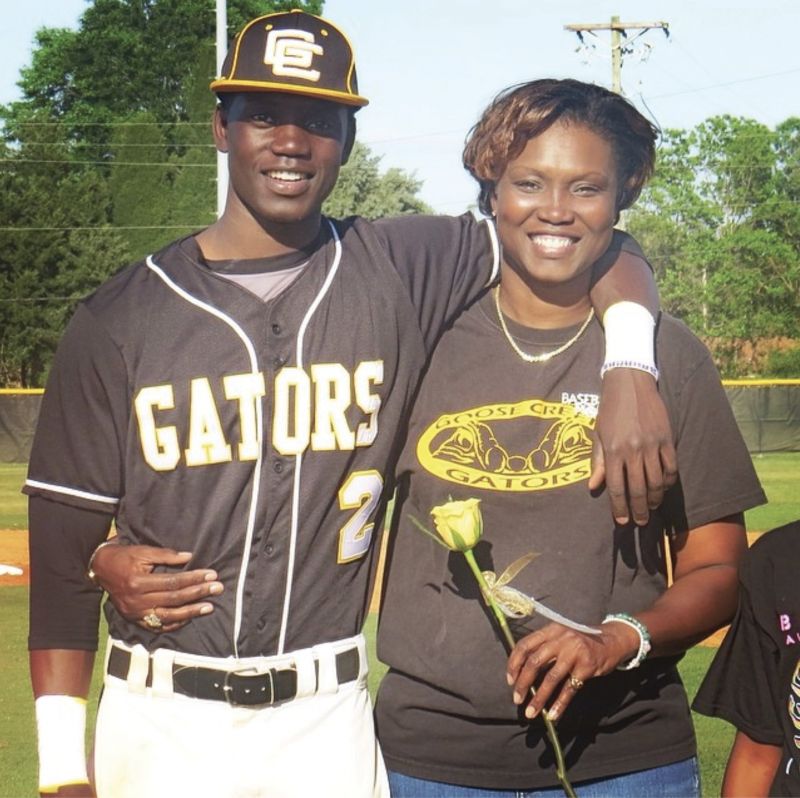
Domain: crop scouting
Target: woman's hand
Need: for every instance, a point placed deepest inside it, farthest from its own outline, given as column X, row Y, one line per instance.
column 173, row 599
column 559, row 661
column 701, row 599
column 636, row 457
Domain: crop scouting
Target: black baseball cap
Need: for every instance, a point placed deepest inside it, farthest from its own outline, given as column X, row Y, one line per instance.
column 294, row 52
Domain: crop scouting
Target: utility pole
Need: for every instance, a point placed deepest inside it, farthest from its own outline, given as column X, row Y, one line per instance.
column 221, row 49
column 618, row 31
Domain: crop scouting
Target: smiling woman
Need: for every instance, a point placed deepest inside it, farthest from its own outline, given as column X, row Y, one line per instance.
column 555, row 206
column 507, row 415
column 556, row 165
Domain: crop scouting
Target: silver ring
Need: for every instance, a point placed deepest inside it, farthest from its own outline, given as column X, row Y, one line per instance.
column 152, row 621
column 575, row 683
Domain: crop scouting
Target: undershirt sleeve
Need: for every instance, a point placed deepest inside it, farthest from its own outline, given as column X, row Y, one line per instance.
column 64, row 604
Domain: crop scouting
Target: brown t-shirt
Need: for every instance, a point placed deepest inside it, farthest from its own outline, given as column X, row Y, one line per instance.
column 518, row 437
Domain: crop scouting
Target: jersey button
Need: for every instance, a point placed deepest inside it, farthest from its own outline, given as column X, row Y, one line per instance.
column 279, row 361
column 276, row 328
column 278, row 467
column 269, row 548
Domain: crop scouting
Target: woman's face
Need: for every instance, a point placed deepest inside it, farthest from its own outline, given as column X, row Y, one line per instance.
column 555, row 206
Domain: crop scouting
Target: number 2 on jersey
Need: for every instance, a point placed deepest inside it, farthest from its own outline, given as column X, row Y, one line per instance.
column 361, row 492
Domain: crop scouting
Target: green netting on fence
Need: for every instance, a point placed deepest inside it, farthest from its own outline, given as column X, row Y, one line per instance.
column 18, row 413
column 768, row 415
column 767, row 412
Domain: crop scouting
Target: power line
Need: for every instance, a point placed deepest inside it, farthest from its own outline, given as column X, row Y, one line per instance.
column 34, row 299
column 168, row 164
column 651, row 256
column 199, row 225
column 180, row 164
column 63, row 123
column 726, row 84
column 116, row 146
column 104, row 228
column 367, row 142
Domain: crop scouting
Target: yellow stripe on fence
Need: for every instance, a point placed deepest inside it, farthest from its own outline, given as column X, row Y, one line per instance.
column 758, row 383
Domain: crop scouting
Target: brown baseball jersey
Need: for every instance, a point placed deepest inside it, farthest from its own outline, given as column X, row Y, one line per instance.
column 258, row 435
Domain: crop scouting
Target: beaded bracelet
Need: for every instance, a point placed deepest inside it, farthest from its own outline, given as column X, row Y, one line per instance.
column 644, row 638
column 629, row 364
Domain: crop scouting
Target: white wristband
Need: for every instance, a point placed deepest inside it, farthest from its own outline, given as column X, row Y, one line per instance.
column 61, row 726
column 630, row 334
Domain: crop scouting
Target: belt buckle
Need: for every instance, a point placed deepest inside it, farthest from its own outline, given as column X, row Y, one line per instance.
column 233, row 697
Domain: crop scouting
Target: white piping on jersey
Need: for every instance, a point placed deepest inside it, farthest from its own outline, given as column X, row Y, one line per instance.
column 495, row 251
column 251, row 516
column 259, row 419
column 287, row 598
column 81, row 494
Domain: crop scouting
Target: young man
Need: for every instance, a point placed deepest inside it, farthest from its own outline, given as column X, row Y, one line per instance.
column 239, row 394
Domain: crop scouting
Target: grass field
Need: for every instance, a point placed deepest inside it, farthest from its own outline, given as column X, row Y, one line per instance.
column 13, row 505
column 17, row 734
column 780, row 474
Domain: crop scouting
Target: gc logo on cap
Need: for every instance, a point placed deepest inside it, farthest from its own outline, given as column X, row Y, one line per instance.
column 292, row 52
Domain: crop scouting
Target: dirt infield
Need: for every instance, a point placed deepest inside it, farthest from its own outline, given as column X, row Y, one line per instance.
column 14, row 551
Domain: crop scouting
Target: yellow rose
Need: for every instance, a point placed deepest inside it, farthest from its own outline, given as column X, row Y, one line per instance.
column 459, row 524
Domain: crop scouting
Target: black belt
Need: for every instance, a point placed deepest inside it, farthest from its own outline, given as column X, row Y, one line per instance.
column 273, row 686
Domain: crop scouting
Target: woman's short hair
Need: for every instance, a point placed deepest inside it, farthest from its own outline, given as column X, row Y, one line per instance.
column 521, row 112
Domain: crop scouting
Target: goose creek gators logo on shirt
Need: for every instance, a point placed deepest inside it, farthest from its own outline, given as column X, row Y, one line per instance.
column 522, row 446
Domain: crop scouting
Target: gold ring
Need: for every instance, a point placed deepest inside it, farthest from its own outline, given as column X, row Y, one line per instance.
column 575, row 683
column 152, row 621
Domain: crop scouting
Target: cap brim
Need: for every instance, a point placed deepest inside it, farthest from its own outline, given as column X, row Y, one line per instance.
column 258, row 85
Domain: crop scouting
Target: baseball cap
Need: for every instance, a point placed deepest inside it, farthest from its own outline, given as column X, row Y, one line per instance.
column 294, row 52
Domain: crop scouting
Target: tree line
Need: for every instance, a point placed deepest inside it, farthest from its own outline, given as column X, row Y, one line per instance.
column 108, row 156
column 721, row 223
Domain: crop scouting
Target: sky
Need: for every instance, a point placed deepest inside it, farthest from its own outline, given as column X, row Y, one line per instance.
column 429, row 67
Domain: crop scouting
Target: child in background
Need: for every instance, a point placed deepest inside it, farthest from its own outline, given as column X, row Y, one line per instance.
column 754, row 680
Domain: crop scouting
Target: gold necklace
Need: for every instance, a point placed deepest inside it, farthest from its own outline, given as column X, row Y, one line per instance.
column 545, row 356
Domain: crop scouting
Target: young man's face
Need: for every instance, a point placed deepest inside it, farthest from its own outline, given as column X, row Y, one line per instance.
column 284, row 153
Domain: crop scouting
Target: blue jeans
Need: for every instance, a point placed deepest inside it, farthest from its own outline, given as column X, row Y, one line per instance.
column 679, row 780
